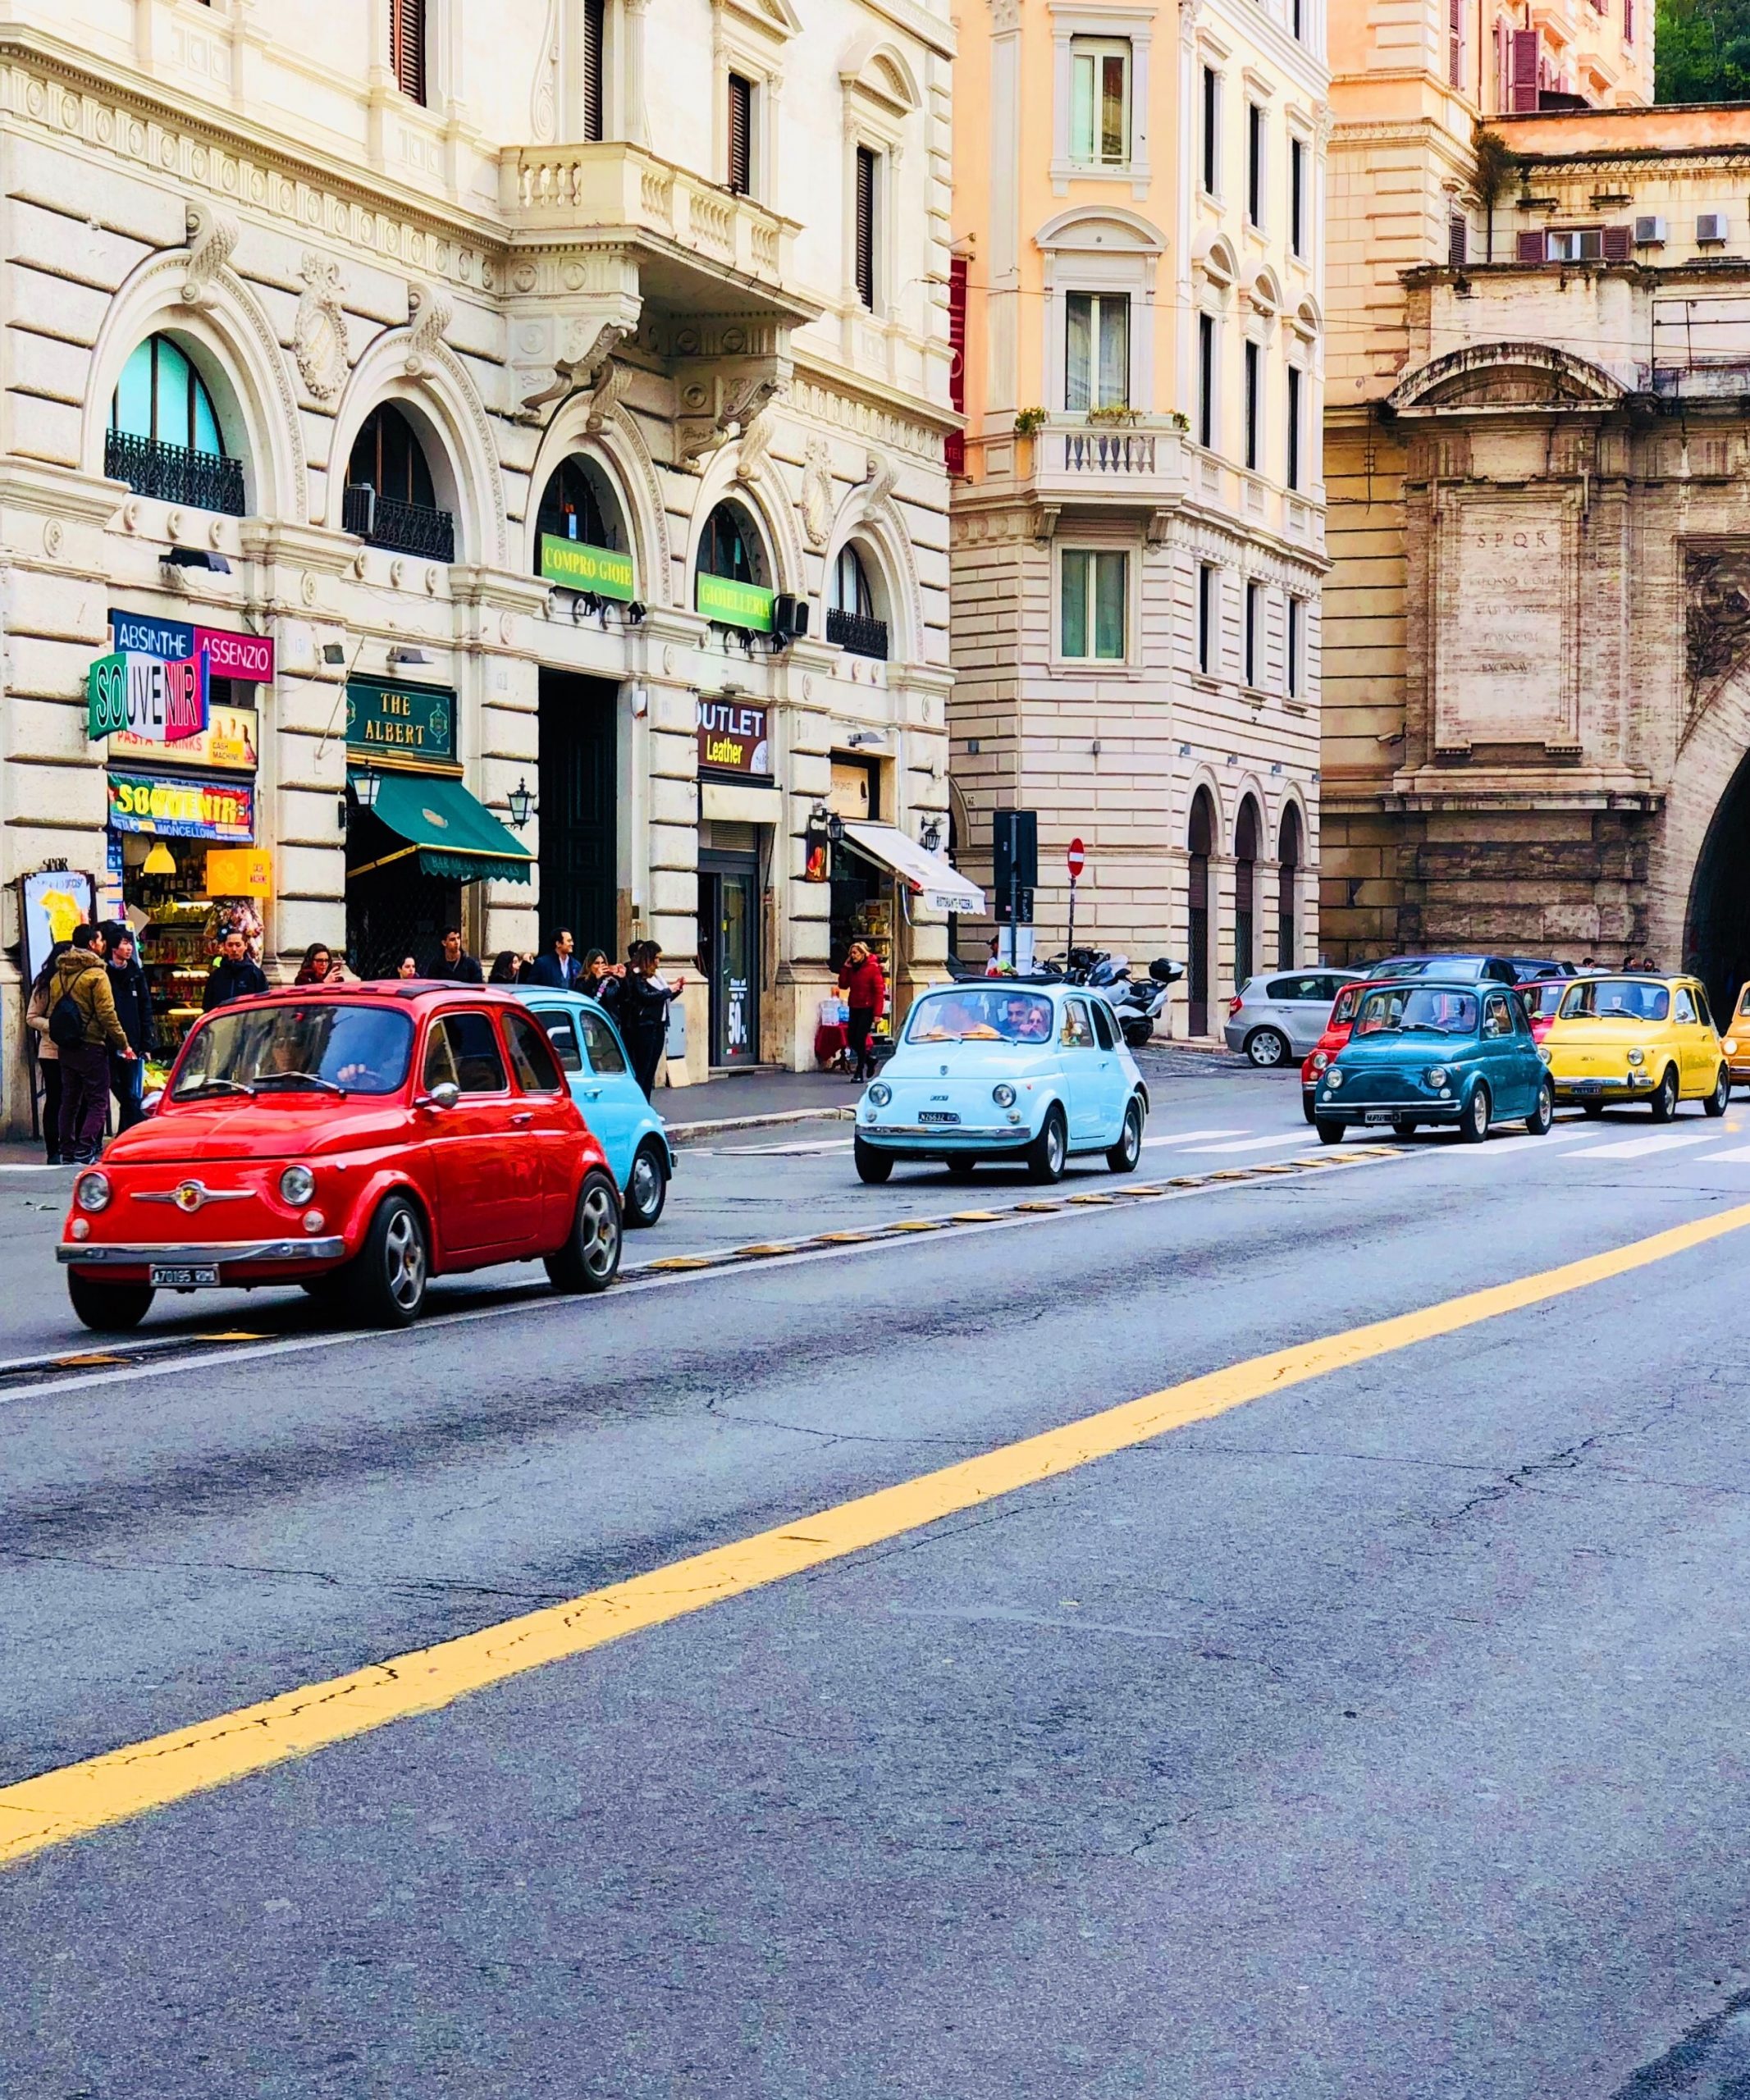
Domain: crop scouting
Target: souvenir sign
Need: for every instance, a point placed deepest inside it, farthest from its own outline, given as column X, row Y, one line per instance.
column 145, row 697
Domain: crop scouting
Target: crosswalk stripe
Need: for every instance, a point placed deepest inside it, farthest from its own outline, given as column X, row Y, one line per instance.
column 1281, row 1138
column 1190, row 1137
column 1640, row 1148
column 1734, row 1156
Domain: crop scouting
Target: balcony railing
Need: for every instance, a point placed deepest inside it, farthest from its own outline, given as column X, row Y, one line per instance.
column 1108, row 452
column 861, row 635
column 404, row 528
column 173, row 473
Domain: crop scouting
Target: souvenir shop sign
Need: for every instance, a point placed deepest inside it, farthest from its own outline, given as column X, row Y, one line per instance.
column 224, row 810
column 230, row 743
column 574, row 565
column 732, row 739
column 147, row 698
column 730, row 604
column 248, row 658
column 413, row 724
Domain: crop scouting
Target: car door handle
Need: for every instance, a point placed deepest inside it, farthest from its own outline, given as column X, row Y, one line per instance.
column 593, row 1093
column 518, row 1122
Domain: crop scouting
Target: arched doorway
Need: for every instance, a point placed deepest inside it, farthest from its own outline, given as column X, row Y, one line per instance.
column 1201, row 839
column 1288, row 889
column 1245, row 892
column 1717, row 936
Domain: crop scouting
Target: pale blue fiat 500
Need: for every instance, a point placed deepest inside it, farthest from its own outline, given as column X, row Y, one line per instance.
column 599, row 1074
column 1004, row 1069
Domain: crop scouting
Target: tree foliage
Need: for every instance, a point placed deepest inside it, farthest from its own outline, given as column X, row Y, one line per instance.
column 1703, row 48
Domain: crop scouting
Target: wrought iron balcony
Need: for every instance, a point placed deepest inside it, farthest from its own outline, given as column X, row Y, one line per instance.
column 404, row 528
column 173, row 473
column 861, row 636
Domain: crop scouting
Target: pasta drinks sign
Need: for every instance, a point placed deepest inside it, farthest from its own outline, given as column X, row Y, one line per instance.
column 147, row 698
column 732, row 739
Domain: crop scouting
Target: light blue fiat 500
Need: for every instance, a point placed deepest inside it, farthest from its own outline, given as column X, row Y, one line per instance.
column 1002, row 1070
column 599, row 1074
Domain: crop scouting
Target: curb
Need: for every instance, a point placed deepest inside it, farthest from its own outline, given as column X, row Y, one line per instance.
column 679, row 1133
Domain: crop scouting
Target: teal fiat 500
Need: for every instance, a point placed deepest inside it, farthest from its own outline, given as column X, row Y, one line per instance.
column 1004, row 1069
column 1436, row 1053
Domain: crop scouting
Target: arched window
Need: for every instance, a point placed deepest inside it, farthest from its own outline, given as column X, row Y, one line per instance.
column 578, row 504
column 1287, row 885
column 852, row 618
column 163, row 438
column 390, row 497
column 1201, row 840
column 731, row 547
column 1245, row 890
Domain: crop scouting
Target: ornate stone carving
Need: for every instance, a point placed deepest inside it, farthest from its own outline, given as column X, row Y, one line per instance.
column 815, row 502
column 543, row 117
column 877, row 482
column 213, row 235
column 589, row 366
column 612, row 379
column 319, row 340
column 716, row 407
column 431, row 312
column 754, row 452
column 1717, row 627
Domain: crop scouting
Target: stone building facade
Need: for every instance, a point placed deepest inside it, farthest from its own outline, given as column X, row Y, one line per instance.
column 534, row 408
column 1138, row 539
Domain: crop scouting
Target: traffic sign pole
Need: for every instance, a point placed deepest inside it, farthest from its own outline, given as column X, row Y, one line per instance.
column 1078, row 859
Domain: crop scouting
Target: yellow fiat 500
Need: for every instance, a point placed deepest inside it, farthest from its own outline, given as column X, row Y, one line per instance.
column 1636, row 1038
column 1736, row 1041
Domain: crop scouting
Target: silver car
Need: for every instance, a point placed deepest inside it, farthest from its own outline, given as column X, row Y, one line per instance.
column 1277, row 1021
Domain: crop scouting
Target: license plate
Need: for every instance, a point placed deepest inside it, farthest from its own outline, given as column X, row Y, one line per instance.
column 1378, row 1116
column 1585, row 1086
column 182, row 1279
column 937, row 1116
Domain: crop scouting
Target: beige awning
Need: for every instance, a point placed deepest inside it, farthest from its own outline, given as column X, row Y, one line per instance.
column 927, row 875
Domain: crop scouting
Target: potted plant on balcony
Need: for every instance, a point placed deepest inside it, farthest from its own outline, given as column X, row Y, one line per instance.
column 1117, row 413
column 1027, row 422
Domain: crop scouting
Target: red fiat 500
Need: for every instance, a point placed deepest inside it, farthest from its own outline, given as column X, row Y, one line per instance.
column 358, row 1141
column 1335, row 1035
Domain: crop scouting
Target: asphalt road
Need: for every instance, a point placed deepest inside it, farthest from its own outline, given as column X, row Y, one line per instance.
column 1381, row 1733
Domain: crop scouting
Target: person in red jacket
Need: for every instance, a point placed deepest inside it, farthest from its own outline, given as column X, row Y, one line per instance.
column 865, row 989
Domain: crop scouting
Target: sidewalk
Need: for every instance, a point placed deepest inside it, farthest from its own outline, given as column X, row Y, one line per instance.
column 734, row 1099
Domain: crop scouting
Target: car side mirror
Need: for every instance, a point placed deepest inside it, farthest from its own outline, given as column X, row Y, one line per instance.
column 445, row 1094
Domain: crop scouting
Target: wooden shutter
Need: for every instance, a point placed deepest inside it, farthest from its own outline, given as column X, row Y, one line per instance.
column 1455, row 41
column 740, row 135
column 1531, row 245
column 594, row 36
column 1525, row 72
column 407, row 46
column 954, row 445
column 1619, row 244
column 1456, row 231
column 866, row 226
column 1628, row 21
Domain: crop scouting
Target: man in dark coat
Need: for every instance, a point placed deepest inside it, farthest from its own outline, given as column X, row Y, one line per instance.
column 128, row 988
column 558, row 968
column 458, row 966
column 235, row 976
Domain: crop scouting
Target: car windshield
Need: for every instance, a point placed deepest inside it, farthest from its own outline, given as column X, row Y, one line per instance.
column 1404, row 1009
column 982, row 1014
column 1616, row 998
column 1542, row 998
column 1344, row 1008
column 297, row 1049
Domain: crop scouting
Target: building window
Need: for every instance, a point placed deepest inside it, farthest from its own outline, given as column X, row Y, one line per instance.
column 729, row 547
column 1254, row 406
column 595, row 41
column 1295, row 378
column 1205, row 617
column 1296, row 666
column 1254, row 630
column 1297, row 196
column 1458, row 241
column 1296, row 20
column 850, row 619
column 1100, row 104
column 867, row 183
column 1211, row 124
column 1574, row 244
column 1254, row 164
column 1097, row 351
column 1094, row 595
column 389, row 500
column 1206, row 380
column 163, row 435
column 1287, row 883
column 740, row 135
column 1245, row 844
column 577, row 503
column 1628, row 21
column 407, row 46
column 1455, row 43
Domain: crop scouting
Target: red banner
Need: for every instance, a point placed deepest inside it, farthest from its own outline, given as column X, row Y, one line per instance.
column 248, row 657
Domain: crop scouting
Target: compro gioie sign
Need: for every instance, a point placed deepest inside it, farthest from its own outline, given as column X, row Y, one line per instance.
column 575, row 565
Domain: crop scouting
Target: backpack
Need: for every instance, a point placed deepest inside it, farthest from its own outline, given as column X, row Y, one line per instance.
column 66, row 1024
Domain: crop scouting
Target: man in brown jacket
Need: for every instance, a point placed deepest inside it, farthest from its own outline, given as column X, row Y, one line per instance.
column 81, row 975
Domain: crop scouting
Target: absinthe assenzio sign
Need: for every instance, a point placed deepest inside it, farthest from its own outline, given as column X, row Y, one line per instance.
column 732, row 739
column 413, row 724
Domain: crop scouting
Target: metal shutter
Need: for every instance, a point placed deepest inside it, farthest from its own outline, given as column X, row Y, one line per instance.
column 1525, row 57
column 866, row 218
column 1532, row 247
column 407, row 46
column 1619, row 244
column 594, row 11
column 740, row 135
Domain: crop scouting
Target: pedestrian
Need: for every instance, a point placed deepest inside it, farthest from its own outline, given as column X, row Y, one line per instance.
column 994, row 957
column 48, row 1056
column 457, row 966
column 864, row 989
column 407, row 966
column 234, row 976
column 317, row 966
column 133, row 997
column 85, row 1030
column 558, row 968
column 1586, row 963
column 641, row 1007
column 600, row 978
column 506, row 964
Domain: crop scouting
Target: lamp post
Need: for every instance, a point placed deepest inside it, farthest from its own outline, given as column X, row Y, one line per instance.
column 522, row 804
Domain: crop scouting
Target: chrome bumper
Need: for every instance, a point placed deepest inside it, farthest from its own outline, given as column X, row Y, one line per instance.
column 1358, row 1111
column 944, row 1134
column 115, row 1254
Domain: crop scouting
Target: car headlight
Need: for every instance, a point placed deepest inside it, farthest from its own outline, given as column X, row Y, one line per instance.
column 1438, row 1074
column 1321, row 1058
column 880, row 1094
column 297, row 1185
column 94, row 1191
column 1729, row 1045
column 1333, row 1079
column 1003, row 1094
column 1543, row 1054
column 1637, row 1056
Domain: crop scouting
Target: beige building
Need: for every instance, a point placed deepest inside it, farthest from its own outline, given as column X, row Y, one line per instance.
column 1411, row 80
column 524, row 424
column 1139, row 537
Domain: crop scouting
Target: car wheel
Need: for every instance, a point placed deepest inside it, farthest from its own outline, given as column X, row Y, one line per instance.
column 1329, row 1133
column 1716, row 1102
column 589, row 1258
column 1539, row 1122
column 1306, row 1106
column 1664, row 1100
column 1405, row 1126
column 1124, row 1155
column 110, row 1308
column 960, row 1170
column 872, row 1166
column 1473, row 1124
column 386, row 1279
column 1049, row 1150
column 648, row 1190
column 1593, row 1110
column 1268, row 1046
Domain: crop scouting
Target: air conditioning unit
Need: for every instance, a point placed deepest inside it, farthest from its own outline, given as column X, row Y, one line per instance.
column 1650, row 232
column 1710, row 226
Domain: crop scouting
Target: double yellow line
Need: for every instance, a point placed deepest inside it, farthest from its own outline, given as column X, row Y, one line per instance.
column 50, row 1809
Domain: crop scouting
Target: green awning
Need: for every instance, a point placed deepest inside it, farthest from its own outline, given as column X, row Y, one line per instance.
column 454, row 836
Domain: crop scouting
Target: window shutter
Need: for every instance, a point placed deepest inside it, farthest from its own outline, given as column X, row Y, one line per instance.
column 740, row 135
column 407, row 46
column 866, row 216
column 1525, row 72
column 593, row 28
column 954, row 446
column 1628, row 21
column 1530, row 245
column 1619, row 244
column 1455, row 41
column 1456, row 231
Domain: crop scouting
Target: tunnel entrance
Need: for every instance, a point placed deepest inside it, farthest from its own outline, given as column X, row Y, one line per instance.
column 1716, row 938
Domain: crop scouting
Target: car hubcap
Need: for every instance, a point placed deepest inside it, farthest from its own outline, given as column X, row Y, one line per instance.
column 1479, row 1114
column 601, row 1232
column 646, row 1181
column 1132, row 1134
column 405, row 1254
column 1266, row 1050
column 1054, row 1146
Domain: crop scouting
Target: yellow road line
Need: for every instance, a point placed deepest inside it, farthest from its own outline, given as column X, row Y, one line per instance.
column 59, row 1805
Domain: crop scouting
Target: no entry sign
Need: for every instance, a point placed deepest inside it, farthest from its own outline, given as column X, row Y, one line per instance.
column 1078, row 859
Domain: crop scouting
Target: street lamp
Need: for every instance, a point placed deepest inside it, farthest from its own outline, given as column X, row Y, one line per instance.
column 522, row 804
column 929, row 834
column 365, row 785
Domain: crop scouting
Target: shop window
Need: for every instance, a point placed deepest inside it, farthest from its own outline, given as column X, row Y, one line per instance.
column 730, row 547
column 163, row 437
column 390, row 497
column 1095, row 584
column 1099, row 103
column 850, row 617
column 1097, row 352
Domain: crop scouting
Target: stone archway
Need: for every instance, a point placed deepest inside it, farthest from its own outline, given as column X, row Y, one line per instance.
column 1716, row 924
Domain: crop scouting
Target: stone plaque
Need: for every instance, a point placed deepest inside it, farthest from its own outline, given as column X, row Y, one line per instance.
column 1504, row 620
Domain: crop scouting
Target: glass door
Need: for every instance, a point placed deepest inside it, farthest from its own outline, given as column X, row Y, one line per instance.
column 730, row 954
